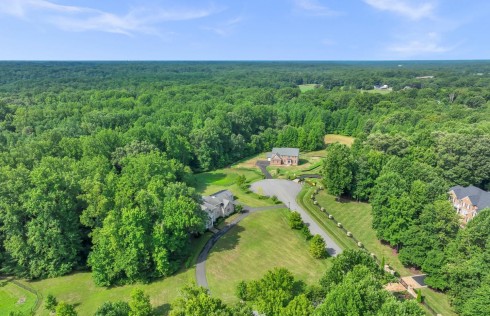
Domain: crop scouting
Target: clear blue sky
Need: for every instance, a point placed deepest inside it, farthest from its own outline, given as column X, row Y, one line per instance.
column 244, row 30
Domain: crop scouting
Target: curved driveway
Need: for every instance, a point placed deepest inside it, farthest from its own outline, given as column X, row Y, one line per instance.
column 286, row 191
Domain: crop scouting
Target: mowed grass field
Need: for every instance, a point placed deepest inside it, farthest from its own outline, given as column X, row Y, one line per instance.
column 357, row 218
column 207, row 183
column 308, row 87
column 335, row 138
column 15, row 299
column 260, row 242
column 80, row 290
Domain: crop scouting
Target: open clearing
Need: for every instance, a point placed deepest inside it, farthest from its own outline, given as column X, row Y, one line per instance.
column 334, row 138
column 309, row 162
column 383, row 91
column 225, row 179
column 79, row 288
column 15, row 299
column 357, row 218
column 257, row 244
column 308, row 87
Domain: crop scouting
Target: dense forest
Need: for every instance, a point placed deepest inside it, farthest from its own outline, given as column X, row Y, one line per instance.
column 96, row 158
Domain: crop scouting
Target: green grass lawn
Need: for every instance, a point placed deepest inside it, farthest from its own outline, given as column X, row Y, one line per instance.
column 335, row 138
column 308, row 87
column 225, row 179
column 357, row 218
column 79, row 288
column 257, row 244
column 15, row 299
column 384, row 91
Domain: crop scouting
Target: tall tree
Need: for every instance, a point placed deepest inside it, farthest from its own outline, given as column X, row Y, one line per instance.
column 337, row 169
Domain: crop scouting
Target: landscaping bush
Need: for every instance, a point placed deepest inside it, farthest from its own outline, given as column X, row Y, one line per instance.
column 239, row 208
column 294, row 220
column 306, row 232
column 317, row 247
column 274, row 199
column 241, row 179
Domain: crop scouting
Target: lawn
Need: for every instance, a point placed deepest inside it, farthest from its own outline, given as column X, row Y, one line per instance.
column 14, row 298
column 225, row 179
column 257, row 244
column 357, row 218
column 79, row 288
column 308, row 87
column 384, row 91
column 335, row 138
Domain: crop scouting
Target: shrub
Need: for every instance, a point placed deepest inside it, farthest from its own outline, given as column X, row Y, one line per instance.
column 274, row 199
column 317, row 247
column 239, row 208
column 50, row 303
column 349, row 234
column 241, row 179
column 306, row 232
column 339, row 225
column 294, row 220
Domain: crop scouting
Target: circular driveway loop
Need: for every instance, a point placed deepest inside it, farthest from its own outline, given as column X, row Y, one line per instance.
column 286, row 191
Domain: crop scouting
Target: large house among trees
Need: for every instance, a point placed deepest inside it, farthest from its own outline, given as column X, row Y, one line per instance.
column 283, row 156
column 219, row 204
column 468, row 201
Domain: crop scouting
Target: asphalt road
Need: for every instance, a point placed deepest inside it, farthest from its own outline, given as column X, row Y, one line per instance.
column 262, row 164
column 286, row 191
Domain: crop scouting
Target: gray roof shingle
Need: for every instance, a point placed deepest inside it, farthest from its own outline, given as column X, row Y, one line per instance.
column 285, row 151
column 477, row 196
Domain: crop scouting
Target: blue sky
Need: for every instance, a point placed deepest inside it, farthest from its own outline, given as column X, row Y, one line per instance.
column 244, row 30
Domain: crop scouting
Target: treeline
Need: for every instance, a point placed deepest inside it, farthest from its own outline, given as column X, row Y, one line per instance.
column 406, row 184
column 352, row 286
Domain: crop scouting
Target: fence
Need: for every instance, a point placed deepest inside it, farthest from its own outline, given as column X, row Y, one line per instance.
column 359, row 243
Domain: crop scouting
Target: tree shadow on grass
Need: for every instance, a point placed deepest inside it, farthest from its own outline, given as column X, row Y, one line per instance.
column 229, row 240
column 202, row 181
column 163, row 309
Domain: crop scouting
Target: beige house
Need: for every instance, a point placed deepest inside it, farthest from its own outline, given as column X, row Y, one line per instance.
column 219, row 204
column 283, row 157
column 468, row 201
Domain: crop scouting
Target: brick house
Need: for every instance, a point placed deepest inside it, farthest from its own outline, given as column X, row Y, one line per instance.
column 468, row 201
column 283, row 157
column 219, row 204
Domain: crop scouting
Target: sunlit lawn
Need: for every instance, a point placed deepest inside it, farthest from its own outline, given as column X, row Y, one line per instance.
column 257, row 244
column 79, row 288
column 335, row 138
column 15, row 299
column 308, row 86
column 211, row 182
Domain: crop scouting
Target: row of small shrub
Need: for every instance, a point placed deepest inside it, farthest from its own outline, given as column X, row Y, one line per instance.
column 317, row 244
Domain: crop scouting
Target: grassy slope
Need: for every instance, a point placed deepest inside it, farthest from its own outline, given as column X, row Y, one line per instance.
column 334, row 138
column 79, row 289
column 224, row 179
column 357, row 218
column 10, row 295
column 260, row 242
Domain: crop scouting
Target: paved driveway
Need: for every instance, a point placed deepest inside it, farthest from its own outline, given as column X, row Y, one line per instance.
column 262, row 164
column 286, row 191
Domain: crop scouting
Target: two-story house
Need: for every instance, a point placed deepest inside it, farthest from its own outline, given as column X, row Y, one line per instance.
column 468, row 201
column 283, row 156
column 219, row 204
